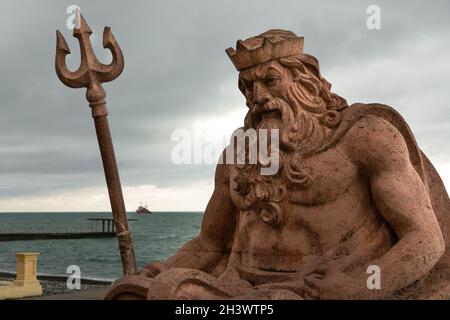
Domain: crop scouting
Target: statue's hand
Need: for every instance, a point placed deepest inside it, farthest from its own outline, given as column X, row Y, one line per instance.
column 152, row 269
column 329, row 283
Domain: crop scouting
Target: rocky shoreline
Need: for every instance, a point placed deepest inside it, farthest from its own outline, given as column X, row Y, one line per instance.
column 58, row 287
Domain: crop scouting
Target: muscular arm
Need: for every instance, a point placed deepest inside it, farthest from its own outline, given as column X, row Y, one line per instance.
column 402, row 199
column 214, row 241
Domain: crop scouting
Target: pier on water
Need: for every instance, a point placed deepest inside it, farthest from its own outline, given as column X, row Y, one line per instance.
column 100, row 228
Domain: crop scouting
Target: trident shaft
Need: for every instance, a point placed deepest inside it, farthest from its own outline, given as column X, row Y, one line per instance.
column 91, row 75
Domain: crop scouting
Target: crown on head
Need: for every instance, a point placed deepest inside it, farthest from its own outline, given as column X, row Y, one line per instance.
column 270, row 45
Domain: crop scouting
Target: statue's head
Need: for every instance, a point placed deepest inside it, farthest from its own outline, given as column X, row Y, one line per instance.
column 282, row 85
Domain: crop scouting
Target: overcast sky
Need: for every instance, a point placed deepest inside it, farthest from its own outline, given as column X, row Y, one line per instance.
column 177, row 75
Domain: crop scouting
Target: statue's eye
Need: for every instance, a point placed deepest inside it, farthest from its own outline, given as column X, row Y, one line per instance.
column 246, row 85
column 271, row 81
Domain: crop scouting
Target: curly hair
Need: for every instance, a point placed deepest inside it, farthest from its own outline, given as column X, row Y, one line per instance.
column 312, row 90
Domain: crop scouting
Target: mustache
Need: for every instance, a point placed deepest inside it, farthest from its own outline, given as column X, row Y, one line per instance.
column 299, row 130
column 286, row 112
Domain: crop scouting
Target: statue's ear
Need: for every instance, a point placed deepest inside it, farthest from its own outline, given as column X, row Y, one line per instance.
column 295, row 74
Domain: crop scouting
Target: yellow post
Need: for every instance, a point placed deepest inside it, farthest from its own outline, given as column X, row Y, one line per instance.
column 26, row 269
column 26, row 283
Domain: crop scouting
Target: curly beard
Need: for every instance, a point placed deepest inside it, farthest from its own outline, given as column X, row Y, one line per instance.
column 298, row 116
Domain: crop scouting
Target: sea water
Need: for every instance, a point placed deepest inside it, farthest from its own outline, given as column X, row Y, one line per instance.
column 156, row 237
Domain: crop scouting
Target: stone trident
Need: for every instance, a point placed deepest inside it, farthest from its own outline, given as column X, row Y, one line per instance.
column 91, row 75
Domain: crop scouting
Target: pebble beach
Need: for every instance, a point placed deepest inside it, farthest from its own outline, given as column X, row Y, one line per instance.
column 58, row 288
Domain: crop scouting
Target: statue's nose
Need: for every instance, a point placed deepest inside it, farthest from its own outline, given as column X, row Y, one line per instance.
column 260, row 94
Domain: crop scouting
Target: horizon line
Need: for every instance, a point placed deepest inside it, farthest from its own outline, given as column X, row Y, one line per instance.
column 93, row 211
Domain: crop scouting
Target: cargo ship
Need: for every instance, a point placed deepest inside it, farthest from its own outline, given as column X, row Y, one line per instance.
column 143, row 209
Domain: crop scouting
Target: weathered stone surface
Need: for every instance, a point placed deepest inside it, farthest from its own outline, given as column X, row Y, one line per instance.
column 353, row 189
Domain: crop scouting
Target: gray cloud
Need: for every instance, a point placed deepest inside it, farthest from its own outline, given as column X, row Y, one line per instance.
column 176, row 70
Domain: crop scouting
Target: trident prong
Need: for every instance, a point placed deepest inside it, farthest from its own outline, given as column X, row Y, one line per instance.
column 91, row 74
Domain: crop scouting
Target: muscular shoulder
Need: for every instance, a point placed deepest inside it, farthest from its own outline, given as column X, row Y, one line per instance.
column 374, row 143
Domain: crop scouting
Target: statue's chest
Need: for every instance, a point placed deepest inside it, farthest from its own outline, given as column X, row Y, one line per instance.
column 300, row 181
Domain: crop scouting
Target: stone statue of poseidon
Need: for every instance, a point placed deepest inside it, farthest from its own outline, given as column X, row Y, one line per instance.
column 352, row 191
